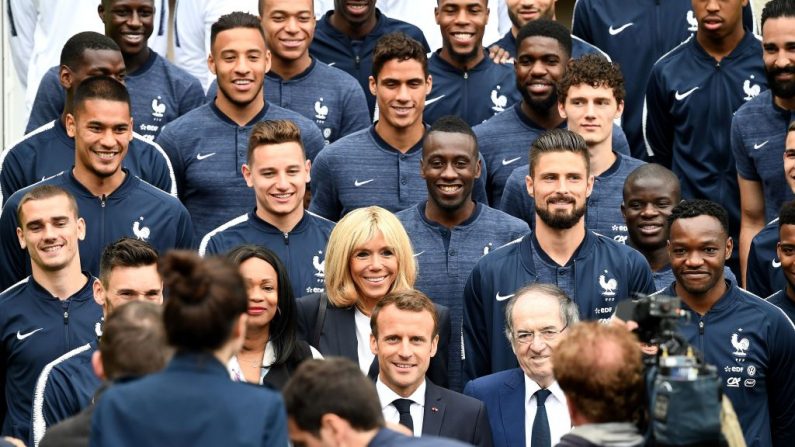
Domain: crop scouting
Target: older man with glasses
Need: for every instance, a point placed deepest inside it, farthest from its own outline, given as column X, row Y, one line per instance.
column 526, row 403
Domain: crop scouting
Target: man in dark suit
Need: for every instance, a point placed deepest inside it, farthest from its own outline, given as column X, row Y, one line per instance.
column 404, row 338
column 526, row 403
column 331, row 403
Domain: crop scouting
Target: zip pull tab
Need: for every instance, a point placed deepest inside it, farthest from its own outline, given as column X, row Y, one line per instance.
column 286, row 239
column 466, row 75
column 103, row 200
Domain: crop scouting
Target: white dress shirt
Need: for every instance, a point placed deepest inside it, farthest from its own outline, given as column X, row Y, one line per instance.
column 391, row 414
column 268, row 358
column 363, row 332
column 557, row 411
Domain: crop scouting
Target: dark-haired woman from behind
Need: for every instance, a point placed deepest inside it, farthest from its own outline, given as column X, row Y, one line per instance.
column 193, row 402
column 271, row 351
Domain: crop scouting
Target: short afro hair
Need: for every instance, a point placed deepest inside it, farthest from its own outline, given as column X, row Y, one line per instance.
column 546, row 28
column 687, row 209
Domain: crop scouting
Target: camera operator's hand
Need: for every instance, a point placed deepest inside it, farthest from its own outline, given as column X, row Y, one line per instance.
column 632, row 326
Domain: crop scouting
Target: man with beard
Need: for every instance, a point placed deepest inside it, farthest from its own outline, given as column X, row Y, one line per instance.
column 764, row 273
column 466, row 82
column 650, row 193
column 591, row 98
column 522, row 11
column 450, row 231
column 345, row 37
column 759, row 127
column 749, row 340
column 692, row 94
column 544, row 49
column 208, row 145
column 594, row 270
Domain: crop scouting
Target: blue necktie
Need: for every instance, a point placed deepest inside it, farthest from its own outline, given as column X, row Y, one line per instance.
column 541, row 436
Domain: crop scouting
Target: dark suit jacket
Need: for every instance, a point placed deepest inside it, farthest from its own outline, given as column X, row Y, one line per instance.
column 503, row 394
column 452, row 415
column 338, row 336
column 389, row 438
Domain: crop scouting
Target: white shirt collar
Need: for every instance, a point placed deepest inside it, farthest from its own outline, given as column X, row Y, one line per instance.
column 530, row 388
column 268, row 358
column 388, row 396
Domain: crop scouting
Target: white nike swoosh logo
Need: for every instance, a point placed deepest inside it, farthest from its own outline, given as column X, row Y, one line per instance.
column 681, row 96
column 331, row 64
column 614, row 31
column 433, row 100
column 759, row 146
column 357, row 183
column 203, row 156
column 776, row 264
column 24, row 336
column 507, row 162
column 503, row 298
column 417, row 254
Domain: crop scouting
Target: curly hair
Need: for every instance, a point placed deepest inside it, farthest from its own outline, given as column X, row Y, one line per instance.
column 593, row 70
column 600, row 370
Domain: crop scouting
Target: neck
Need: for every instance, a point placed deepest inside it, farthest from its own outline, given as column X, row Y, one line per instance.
column 366, row 306
column 285, row 223
column 449, row 218
column 702, row 303
column 466, row 65
column 601, row 157
column 657, row 257
column 785, row 103
column 790, row 293
column 549, row 120
column 721, row 47
column 403, row 391
column 354, row 31
column 288, row 69
column 62, row 283
column 256, row 339
column 401, row 139
column 99, row 186
column 559, row 245
column 133, row 62
column 241, row 115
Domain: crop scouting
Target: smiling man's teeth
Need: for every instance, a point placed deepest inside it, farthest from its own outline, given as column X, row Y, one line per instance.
column 403, row 365
column 282, row 196
column 106, row 155
column 241, row 81
column 449, row 188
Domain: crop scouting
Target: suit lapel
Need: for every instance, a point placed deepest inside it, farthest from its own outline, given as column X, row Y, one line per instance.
column 434, row 410
column 512, row 409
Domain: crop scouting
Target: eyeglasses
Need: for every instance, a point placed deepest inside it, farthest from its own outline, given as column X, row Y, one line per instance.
column 546, row 335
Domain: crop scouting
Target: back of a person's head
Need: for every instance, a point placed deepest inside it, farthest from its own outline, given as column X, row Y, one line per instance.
column 204, row 299
column 73, row 49
column 600, row 369
column 133, row 341
column 332, row 386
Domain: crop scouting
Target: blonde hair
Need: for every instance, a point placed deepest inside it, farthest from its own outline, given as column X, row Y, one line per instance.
column 354, row 230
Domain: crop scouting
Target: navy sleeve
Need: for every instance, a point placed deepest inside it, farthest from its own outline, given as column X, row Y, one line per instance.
column 781, row 389
column 14, row 264
column 477, row 361
column 185, row 238
column 276, row 425
column 658, row 129
column 641, row 278
column 515, row 200
column 744, row 163
column 168, row 142
column 12, row 176
column 311, row 137
column 49, row 102
column 324, row 194
column 620, row 143
column 437, row 370
column 357, row 115
column 156, row 167
column 757, row 280
column 192, row 97
column 58, row 402
column 580, row 25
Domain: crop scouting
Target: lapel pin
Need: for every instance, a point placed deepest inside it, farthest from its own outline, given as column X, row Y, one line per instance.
column 434, row 410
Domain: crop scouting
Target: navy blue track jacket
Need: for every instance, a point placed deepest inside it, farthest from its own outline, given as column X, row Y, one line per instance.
column 752, row 343
column 763, row 275
column 605, row 272
column 37, row 328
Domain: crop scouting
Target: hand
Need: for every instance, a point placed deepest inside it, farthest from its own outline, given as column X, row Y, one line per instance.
column 499, row 55
column 632, row 326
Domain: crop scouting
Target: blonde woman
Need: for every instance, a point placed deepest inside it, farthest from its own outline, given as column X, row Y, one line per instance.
column 368, row 256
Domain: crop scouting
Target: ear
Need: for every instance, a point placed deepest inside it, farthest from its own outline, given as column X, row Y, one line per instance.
column 71, row 125
column 99, row 293
column 528, row 181
column 778, row 250
column 373, row 344
column 428, row 85
column 371, row 81
column 434, row 345
column 308, row 167
column 267, row 60
column 436, row 14
column 247, row 175
column 21, row 239
column 101, row 12
column 730, row 246
column 65, row 77
column 96, row 365
column 81, row 228
column 620, row 110
column 130, row 130
column 624, row 210
column 478, row 168
column 211, row 63
column 590, row 186
column 562, row 110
